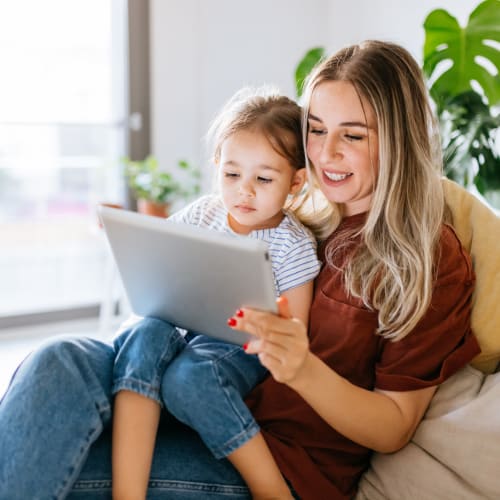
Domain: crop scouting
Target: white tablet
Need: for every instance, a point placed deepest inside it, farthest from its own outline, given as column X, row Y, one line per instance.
column 195, row 278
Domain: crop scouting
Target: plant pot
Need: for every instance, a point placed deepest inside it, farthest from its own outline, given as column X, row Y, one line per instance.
column 152, row 208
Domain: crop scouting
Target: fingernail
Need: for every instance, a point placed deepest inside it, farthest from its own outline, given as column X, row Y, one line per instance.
column 231, row 322
column 239, row 313
column 245, row 347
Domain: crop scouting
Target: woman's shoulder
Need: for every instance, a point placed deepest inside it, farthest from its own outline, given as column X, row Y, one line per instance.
column 454, row 262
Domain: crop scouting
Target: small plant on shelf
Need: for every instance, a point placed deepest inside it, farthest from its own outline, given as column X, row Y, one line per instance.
column 156, row 189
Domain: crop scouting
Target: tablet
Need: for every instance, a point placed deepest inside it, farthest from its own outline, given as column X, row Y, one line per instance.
column 193, row 277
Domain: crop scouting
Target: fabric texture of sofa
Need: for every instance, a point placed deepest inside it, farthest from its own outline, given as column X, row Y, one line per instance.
column 455, row 452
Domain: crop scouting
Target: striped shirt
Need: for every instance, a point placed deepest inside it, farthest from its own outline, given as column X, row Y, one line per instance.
column 292, row 247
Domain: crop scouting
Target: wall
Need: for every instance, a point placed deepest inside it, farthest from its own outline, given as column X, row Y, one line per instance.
column 204, row 50
column 393, row 20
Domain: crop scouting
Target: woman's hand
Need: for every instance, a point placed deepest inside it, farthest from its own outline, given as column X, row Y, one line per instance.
column 282, row 344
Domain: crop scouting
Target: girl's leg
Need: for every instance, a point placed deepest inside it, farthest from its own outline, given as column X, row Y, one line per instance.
column 142, row 353
column 56, row 406
column 204, row 388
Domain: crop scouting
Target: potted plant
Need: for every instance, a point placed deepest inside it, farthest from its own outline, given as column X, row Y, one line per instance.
column 155, row 189
column 467, row 94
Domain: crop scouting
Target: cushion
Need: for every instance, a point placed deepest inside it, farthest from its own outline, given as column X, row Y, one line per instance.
column 478, row 228
column 454, row 452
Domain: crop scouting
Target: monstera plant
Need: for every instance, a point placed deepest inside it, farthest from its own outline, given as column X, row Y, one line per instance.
column 462, row 67
column 305, row 65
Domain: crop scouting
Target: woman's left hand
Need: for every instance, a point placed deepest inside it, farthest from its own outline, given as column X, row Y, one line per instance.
column 282, row 344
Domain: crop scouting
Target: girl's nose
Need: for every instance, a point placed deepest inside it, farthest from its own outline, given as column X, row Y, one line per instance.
column 246, row 189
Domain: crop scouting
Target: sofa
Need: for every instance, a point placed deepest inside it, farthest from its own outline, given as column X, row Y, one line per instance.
column 455, row 451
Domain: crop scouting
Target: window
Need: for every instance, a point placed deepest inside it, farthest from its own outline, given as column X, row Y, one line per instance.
column 62, row 133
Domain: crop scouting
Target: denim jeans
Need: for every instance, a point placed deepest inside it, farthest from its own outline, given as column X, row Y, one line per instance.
column 202, row 380
column 55, row 440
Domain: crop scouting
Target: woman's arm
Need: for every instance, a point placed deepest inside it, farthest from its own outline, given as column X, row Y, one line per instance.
column 380, row 420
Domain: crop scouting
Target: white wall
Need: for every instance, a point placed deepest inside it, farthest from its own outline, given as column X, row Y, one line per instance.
column 204, row 50
column 393, row 20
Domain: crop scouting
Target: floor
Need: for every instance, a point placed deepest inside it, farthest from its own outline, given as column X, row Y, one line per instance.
column 16, row 344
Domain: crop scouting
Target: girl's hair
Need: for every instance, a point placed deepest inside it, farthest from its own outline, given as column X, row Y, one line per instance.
column 265, row 110
column 393, row 269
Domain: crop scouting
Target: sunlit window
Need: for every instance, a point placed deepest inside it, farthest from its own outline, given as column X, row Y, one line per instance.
column 62, row 134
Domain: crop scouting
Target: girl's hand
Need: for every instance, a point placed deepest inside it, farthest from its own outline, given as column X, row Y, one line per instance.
column 282, row 344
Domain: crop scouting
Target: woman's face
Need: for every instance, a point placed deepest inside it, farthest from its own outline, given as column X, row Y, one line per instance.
column 342, row 144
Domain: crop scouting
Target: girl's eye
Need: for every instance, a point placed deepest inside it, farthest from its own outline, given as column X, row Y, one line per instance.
column 264, row 180
column 230, row 175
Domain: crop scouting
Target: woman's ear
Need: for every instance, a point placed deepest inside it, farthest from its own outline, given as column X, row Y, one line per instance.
column 298, row 180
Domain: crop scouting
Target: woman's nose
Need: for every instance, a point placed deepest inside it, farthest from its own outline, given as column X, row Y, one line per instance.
column 331, row 150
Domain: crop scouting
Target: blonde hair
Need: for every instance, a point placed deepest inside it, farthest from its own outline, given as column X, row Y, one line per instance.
column 393, row 269
column 265, row 110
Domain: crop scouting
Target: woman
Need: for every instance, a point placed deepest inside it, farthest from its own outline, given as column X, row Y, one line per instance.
column 390, row 318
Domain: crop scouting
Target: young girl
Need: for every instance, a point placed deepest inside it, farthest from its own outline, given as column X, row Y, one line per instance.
column 260, row 169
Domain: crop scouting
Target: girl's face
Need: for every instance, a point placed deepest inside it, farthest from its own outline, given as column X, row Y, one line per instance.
column 342, row 144
column 255, row 181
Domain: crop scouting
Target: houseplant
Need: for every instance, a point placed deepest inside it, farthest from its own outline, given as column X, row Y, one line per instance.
column 462, row 68
column 305, row 65
column 156, row 189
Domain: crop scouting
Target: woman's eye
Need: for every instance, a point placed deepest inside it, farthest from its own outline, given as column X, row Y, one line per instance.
column 264, row 180
column 351, row 137
column 316, row 131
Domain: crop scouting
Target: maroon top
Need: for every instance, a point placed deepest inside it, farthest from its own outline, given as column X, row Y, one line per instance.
column 317, row 460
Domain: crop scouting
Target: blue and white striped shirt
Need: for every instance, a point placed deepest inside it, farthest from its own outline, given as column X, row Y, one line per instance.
column 292, row 247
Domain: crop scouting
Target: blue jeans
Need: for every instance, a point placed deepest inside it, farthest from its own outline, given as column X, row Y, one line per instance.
column 55, row 440
column 203, row 381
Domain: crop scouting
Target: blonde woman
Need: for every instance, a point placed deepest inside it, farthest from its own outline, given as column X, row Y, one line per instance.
column 390, row 316
column 390, row 319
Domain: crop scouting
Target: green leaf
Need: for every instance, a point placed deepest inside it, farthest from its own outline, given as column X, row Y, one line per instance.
column 446, row 40
column 468, row 131
column 305, row 65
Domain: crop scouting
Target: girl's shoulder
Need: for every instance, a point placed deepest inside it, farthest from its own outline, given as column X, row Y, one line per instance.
column 201, row 212
column 295, row 229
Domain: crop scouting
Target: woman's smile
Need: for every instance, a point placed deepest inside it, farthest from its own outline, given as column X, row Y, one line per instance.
column 335, row 177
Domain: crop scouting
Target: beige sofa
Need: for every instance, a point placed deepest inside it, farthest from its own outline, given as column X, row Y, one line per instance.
column 455, row 452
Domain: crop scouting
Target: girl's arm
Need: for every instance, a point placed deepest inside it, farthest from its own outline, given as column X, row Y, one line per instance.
column 380, row 420
column 299, row 301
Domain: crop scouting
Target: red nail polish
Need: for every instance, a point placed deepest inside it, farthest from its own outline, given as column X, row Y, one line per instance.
column 245, row 347
column 239, row 313
column 231, row 322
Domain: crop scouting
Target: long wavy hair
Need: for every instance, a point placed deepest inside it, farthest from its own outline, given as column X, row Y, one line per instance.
column 393, row 269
